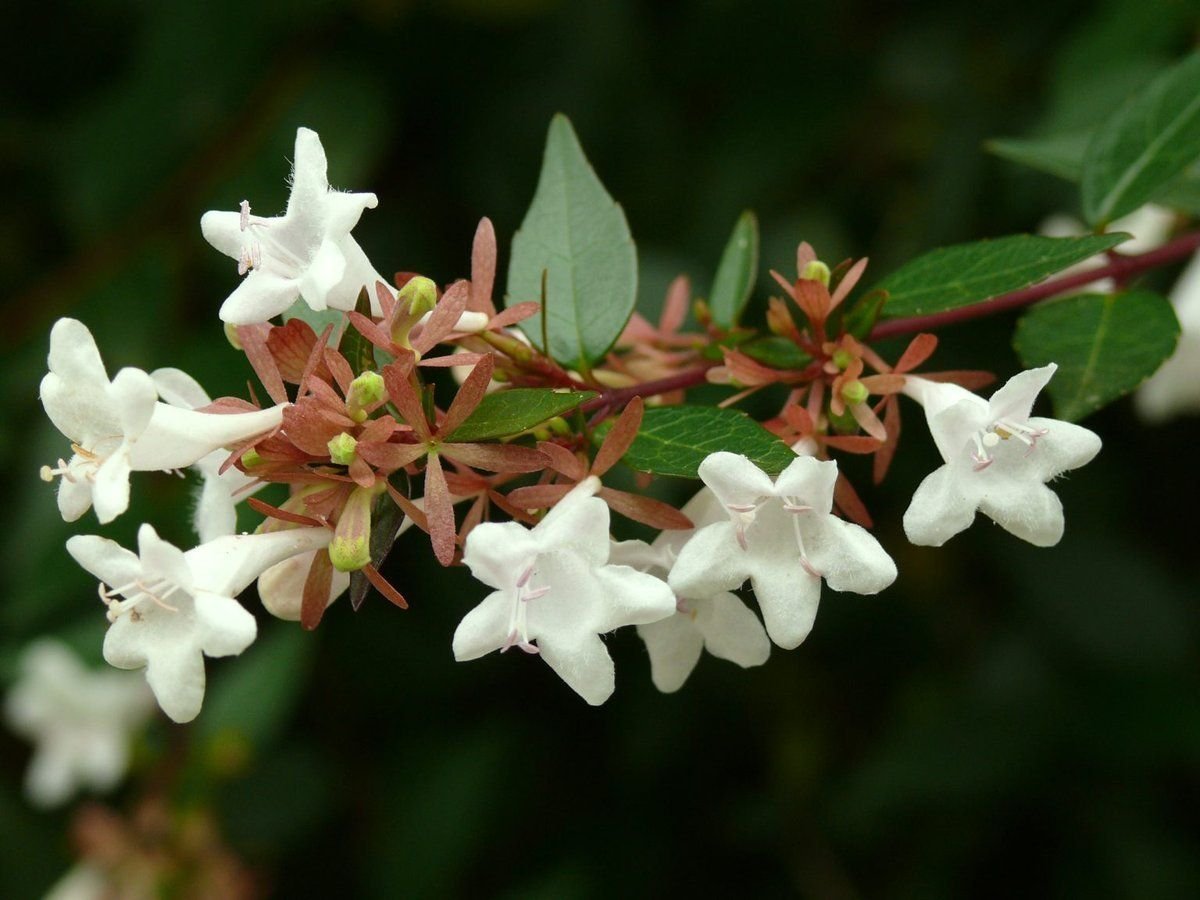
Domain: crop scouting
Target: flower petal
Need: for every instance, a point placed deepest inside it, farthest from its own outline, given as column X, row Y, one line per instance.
column 484, row 628
column 584, row 664
column 176, row 675
column 227, row 565
column 73, row 353
column 74, row 495
column 1032, row 512
column 943, row 505
column 134, row 397
column 674, row 645
column 1015, row 399
column 788, row 597
column 731, row 630
column 110, row 489
column 105, row 559
column 710, row 562
column 178, row 388
column 310, row 181
column 495, row 552
column 734, row 479
column 323, row 274
column 810, row 481
column 847, row 556
column 224, row 628
column 223, row 230
column 631, row 597
column 1066, row 446
column 261, row 296
column 176, row 438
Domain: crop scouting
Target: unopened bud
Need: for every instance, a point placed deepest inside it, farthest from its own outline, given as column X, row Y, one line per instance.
column 420, row 295
column 350, row 548
column 365, row 391
column 855, row 392
column 842, row 359
column 251, row 458
column 816, row 271
column 231, row 335
column 558, row 425
column 341, row 449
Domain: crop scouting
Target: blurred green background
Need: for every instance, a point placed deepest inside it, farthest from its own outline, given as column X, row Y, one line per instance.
column 1003, row 721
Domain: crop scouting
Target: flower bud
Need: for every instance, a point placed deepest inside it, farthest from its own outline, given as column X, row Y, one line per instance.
column 816, row 271
column 350, row 548
column 855, row 392
column 365, row 390
column 420, row 293
column 231, row 335
column 842, row 359
column 341, row 449
column 251, row 458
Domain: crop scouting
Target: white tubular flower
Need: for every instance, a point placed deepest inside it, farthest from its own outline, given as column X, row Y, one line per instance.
column 169, row 609
column 307, row 252
column 81, row 722
column 998, row 460
column 119, row 427
column 1175, row 388
column 281, row 587
column 718, row 622
column 216, row 503
column 554, row 585
column 783, row 537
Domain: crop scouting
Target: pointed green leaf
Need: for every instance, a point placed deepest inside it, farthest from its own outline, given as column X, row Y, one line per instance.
column 359, row 352
column 1105, row 346
column 736, row 272
column 1061, row 155
column 674, row 440
column 578, row 236
column 1146, row 144
column 515, row 410
column 963, row 274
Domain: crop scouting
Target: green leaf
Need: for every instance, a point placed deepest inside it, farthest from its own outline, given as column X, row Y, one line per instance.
column 776, row 352
column 956, row 276
column 359, row 352
column 736, row 272
column 674, row 440
column 578, row 235
column 515, row 410
column 1061, row 155
column 1146, row 144
column 1105, row 346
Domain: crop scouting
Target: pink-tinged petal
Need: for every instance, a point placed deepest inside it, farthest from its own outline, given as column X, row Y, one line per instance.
column 439, row 511
column 483, row 269
column 810, row 481
column 619, row 437
column 223, row 230
column 849, row 280
column 943, row 505
column 637, row 331
column 674, row 645
column 110, row 487
column 735, row 479
column 1031, row 512
column 584, row 664
column 484, row 628
column 105, row 559
column 390, row 457
column 788, row 287
column 227, row 565
column 563, row 460
column 646, row 510
column 538, row 496
column 675, row 308
column 868, row 421
column 396, row 378
column 443, row 319
column 919, row 349
column 511, row 315
column 223, row 627
column 805, row 254
column 261, row 296
column 732, row 631
column 469, row 395
column 254, row 341
column 497, row 457
column 1015, row 399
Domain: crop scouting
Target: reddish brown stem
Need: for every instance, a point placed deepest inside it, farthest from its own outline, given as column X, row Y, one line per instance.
column 618, row 397
column 1120, row 268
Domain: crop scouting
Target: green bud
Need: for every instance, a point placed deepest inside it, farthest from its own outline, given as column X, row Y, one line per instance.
column 558, row 425
column 842, row 359
column 231, row 335
column 365, row 390
column 816, row 271
column 251, row 458
column 855, row 392
column 420, row 293
column 350, row 548
column 341, row 449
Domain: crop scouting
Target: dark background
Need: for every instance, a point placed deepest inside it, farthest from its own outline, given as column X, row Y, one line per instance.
column 1003, row 721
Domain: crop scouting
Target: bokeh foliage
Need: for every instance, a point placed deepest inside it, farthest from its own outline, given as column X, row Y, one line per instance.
column 1002, row 721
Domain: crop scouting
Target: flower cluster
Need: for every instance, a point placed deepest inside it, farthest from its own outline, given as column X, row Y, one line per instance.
column 506, row 478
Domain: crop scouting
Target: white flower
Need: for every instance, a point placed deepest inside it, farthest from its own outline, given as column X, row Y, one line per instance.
column 216, row 504
column 783, row 537
column 170, row 609
column 554, row 585
column 998, row 460
column 281, row 587
column 119, row 427
column 84, row 881
column 1175, row 388
column 717, row 621
column 307, row 252
column 81, row 721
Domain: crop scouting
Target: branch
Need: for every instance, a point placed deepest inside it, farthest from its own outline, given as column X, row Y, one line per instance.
column 617, row 397
column 1119, row 268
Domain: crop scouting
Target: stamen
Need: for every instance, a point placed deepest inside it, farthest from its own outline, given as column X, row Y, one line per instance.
column 808, row 567
column 118, row 607
column 245, row 219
